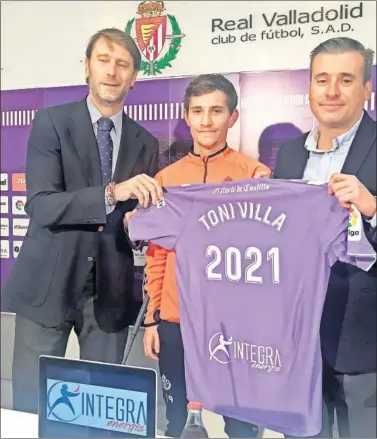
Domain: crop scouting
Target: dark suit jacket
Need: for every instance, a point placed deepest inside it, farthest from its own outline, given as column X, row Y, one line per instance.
column 66, row 206
column 348, row 327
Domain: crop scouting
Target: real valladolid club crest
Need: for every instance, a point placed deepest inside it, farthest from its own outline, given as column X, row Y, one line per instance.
column 151, row 34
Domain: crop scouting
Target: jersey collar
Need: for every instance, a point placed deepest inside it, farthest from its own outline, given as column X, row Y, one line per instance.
column 221, row 151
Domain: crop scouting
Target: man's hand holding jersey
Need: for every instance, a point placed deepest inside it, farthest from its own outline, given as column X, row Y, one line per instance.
column 141, row 187
column 349, row 190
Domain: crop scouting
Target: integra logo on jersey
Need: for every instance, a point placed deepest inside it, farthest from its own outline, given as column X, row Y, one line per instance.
column 223, row 350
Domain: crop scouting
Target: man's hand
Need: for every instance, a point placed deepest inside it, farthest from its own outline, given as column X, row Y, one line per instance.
column 127, row 217
column 141, row 187
column 151, row 342
column 349, row 190
column 262, row 173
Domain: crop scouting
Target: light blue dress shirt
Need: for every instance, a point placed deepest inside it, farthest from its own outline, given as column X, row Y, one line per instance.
column 322, row 164
column 115, row 133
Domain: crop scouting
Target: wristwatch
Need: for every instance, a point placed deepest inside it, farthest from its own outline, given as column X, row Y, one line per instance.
column 109, row 194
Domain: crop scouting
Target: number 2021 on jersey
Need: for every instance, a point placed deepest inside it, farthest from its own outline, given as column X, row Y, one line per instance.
column 242, row 266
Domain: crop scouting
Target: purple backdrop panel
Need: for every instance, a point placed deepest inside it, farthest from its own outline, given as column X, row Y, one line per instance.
column 18, row 108
column 29, row 99
column 63, row 95
column 274, row 108
column 17, row 112
column 179, row 141
column 180, row 130
column 148, row 104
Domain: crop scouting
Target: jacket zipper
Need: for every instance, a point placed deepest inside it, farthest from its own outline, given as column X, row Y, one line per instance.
column 205, row 161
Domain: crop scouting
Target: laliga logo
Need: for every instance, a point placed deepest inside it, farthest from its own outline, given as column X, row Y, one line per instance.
column 352, row 218
column 59, row 402
column 218, row 348
column 354, row 224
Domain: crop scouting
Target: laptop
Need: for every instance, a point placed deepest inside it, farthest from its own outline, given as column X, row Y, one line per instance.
column 87, row 399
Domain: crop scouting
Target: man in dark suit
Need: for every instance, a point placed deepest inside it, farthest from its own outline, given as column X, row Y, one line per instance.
column 342, row 151
column 87, row 164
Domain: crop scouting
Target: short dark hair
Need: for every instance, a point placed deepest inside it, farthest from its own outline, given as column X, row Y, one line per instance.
column 118, row 36
column 345, row 44
column 204, row 84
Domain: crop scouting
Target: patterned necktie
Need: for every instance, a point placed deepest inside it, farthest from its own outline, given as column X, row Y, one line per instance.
column 105, row 146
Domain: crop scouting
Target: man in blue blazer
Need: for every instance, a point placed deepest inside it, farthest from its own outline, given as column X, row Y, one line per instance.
column 87, row 164
column 342, row 152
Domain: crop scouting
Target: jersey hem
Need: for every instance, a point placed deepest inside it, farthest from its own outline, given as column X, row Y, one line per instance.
column 372, row 259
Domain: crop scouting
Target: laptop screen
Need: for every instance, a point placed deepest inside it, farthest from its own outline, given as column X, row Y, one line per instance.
column 95, row 400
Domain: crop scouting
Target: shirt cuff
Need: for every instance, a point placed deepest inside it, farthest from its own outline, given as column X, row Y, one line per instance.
column 372, row 221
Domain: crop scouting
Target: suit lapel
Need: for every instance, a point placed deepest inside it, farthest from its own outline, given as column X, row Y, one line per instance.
column 299, row 160
column 294, row 161
column 81, row 131
column 362, row 143
column 129, row 150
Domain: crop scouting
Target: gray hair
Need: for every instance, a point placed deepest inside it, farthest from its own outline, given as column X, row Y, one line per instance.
column 344, row 44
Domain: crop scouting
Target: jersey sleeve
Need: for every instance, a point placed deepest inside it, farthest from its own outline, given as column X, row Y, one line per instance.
column 161, row 223
column 350, row 245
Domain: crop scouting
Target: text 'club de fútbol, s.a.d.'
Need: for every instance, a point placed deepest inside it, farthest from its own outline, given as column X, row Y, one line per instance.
column 292, row 23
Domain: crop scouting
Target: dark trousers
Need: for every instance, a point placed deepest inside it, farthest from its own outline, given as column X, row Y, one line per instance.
column 349, row 405
column 172, row 370
column 33, row 340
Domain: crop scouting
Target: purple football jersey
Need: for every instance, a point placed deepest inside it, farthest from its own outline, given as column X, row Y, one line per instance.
column 253, row 260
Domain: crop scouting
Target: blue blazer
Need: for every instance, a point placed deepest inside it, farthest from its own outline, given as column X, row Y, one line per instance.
column 69, row 231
